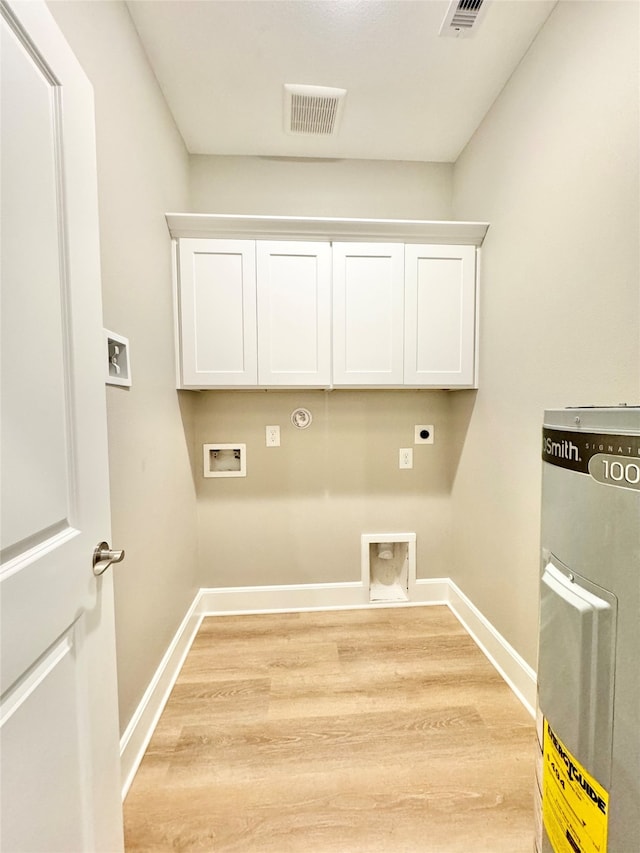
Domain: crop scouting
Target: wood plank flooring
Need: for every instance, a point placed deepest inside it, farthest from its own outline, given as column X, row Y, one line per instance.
column 363, row 731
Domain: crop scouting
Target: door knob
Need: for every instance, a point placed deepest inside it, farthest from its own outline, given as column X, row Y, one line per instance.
column 103, row 556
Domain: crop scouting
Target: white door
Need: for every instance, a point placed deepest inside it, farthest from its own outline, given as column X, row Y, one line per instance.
column 294, row 313
column 218, row 337
column 368, row 313
column 440, row 316
column 60, row 782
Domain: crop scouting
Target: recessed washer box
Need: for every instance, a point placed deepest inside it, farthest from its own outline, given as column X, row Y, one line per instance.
column 118, row 359
column 225, row 460
column 388, row 563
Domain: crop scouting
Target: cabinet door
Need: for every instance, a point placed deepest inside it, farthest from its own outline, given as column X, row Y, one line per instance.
column 439, row 315
column 368, row 299
column 218, row 313
column 294, row 313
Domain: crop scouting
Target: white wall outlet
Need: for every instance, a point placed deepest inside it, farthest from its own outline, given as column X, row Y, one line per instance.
column 424, row 434
column 273, row 435
column 406, row 457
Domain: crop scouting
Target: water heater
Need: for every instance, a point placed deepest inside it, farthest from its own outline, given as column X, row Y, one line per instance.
column 588, row 773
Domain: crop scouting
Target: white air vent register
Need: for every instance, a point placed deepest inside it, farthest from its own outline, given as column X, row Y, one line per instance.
column 463, row 17
column 312, row 110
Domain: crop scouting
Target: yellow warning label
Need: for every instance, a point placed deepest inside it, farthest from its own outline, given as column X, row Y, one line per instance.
column 575, row 807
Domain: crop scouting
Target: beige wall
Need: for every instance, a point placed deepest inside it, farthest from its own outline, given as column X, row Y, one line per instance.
column 142, row 172
column 298, row 515
column 554, row 169
column 371, row 189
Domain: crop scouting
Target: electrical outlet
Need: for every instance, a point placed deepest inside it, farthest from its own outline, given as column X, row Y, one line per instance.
column 406, row 457
column 424, row 434
column 273, row 436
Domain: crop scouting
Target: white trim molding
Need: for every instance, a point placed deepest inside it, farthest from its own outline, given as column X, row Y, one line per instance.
column 287, row 598
column 240, row 226
column 136, row 736
column 281, row 598
column 520, row 677
column 227, row 601
column 431, row 591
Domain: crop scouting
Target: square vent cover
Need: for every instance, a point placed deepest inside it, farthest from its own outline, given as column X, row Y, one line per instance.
column 463, row 18
column 312, row 110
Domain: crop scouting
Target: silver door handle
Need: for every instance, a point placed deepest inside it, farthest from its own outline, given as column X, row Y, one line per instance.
column 103, row 556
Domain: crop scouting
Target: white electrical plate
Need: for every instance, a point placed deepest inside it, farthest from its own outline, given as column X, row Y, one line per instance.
column 272, row 435
column 225, row 460
column 406, row 458
column 420, row 438
column 118, row 359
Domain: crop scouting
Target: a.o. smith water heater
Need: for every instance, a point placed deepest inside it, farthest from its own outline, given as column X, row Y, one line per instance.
column 588, row 776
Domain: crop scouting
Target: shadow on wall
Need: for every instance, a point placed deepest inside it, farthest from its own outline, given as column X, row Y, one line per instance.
column 187, row 405
column 462, row 406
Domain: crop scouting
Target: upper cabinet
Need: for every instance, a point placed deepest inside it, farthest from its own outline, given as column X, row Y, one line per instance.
column 262, row 313
column 404, row 315
column 217, row 302
column 368, row 314
column 254, row 314
column 294, row 313
column 439, row 316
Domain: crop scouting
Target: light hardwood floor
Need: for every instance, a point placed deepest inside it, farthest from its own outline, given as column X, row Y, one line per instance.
column 363, row 731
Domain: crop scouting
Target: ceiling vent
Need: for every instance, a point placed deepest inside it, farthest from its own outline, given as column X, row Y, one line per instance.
column 463, row 17
column 312, row 110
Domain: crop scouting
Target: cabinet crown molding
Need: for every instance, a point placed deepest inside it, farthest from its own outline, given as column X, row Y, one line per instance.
column 240, row 226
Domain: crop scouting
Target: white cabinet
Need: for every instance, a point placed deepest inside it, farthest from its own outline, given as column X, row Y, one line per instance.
column 217, row 302
column 440, row 316
column 294, row 313
column 318, row 314
column 368, row 313
column 403, row 315
column 254, row 314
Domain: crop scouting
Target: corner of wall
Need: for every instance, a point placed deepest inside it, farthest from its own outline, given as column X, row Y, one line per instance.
column 554, row 169
column 142, row 172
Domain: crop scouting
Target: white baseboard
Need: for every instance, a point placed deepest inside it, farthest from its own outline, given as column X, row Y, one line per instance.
column 312, row 596
column 430, row 591
column 137, row 735
column 520, row 677
column 280, row 599
column 227, row 601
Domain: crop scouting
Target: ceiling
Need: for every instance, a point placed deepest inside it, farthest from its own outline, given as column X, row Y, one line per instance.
column 411, row 94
